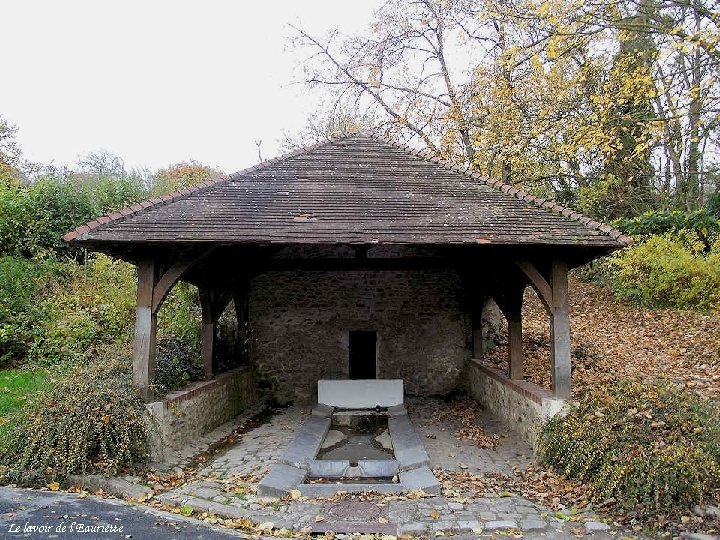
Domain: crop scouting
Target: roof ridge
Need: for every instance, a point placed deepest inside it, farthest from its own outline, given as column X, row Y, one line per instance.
column 139, row 207
column 545, row 204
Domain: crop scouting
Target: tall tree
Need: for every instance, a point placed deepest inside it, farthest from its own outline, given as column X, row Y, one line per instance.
column 406, row 72
column 609, row 105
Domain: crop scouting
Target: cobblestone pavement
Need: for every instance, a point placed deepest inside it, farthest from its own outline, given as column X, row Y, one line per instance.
column 226, row 486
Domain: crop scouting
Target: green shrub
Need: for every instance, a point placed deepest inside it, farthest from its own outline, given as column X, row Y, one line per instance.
column 702, row 223
column 91, row 307
column 24, row 285
column 652, row 448
column 179, row 316
column 668, row 271
column 35, row 217
column 91, row 421
column 712, row 206
column 177, row 365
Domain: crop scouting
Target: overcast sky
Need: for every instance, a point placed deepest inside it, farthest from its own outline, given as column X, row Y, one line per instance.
column 159, row 81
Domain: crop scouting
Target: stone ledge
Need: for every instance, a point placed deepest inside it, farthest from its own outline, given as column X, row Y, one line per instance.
column 307, row 442
column 523, row 405
column 199, row 387
column 119, row 487
column 185, row 415
column 530, row 390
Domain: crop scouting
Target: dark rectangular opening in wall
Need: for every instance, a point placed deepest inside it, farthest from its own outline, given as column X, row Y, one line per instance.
column 362, row 354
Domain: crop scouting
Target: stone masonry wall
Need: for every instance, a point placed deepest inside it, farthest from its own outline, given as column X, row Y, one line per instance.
column 523, row 405
column 300, row 323
column 187, row 414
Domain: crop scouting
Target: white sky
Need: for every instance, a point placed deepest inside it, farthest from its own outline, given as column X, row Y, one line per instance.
column 159, row 81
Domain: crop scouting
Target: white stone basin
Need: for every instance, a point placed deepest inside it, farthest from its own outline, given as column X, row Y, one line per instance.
column 361, row 393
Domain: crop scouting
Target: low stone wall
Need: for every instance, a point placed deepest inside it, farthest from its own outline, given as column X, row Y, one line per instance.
column 187, row 414
column 523, row 405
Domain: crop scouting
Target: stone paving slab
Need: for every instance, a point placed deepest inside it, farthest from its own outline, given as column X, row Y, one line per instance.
column 281, row 480
column 420, row 479
column 355, row 527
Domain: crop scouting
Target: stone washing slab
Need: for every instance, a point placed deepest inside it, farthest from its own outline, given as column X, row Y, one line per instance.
column 378, row 468
column 330, row 490
column 298, row 462
column 421, row 479
column 408, row 446
column 340, row 468
column 322, row 410
column 281, row 480
column 306, row 444
column 361, row 393
column 329, row 468
column 396, row 410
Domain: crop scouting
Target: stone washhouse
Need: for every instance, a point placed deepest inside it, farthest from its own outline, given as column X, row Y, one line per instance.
column 355, row 258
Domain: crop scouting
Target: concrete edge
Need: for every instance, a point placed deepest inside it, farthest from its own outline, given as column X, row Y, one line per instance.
column 117, row 486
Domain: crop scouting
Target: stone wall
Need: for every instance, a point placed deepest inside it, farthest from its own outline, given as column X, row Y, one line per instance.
column 523, row 405
column 300, row 323
column 187, row 414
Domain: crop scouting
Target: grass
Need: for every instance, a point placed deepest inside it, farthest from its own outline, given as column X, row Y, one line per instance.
column 16, row 385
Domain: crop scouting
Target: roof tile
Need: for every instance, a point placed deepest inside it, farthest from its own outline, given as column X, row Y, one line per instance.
column 353, row 190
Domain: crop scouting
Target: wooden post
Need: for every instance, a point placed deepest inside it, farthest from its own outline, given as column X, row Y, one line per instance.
column 510, row 301
column 207, row 333
column 516, row 345
column 477, row 330
column 213, row 302
column 145, row 327
column 560, row 330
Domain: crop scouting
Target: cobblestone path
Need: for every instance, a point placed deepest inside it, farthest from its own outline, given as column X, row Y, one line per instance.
column 226, row 486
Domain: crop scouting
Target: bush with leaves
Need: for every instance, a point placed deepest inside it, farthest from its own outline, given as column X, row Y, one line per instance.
column 92, row 307
column 177, row 365
column 671, row 270
column 702, row 224
column 90, row 421
column 651, row 448
column 35, row 217
column 179, row 316
column 24, row 286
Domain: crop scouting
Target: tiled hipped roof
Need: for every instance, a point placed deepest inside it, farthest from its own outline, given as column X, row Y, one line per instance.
column 357, row 189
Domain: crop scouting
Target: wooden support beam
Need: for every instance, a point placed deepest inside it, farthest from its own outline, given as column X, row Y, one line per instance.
column 538, row 282
column 207, row 335
column 171, row 276
column 145, row 327
column 560, row 331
